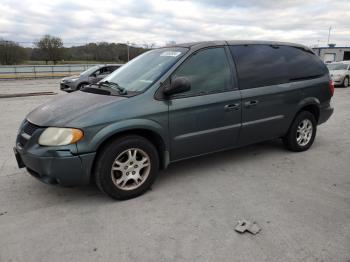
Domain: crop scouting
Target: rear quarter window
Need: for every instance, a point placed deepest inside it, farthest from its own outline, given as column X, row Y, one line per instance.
column 303, row 64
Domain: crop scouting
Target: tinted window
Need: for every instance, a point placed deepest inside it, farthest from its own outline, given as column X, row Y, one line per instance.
column 112, row 68
column 303, row 64
column 263, row 65
column 208, row 71
column 259, row 65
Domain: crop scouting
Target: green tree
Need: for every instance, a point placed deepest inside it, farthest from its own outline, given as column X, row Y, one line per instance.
column 50, row 48
column 11, row 53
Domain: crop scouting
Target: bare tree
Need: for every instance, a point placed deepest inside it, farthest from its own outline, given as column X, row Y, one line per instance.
column 51, row 48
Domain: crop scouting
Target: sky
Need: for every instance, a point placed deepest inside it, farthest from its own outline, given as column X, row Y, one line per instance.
column 158, row 22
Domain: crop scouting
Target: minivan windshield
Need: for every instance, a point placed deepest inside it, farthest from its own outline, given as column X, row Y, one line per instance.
column 338, row 66
column 144, row 70
column 89, row 70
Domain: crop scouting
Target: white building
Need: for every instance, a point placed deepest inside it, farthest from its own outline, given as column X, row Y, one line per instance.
column 332, row 53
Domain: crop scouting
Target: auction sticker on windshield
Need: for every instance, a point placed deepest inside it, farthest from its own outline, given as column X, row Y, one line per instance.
column 170, row 53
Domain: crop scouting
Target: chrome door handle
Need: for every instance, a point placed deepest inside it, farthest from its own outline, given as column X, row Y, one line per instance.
column 231, row 107
column 251, row 103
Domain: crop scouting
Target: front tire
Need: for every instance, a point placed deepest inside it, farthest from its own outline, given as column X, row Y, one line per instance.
column 80, row 86
column 127, row 167
column 302, row 132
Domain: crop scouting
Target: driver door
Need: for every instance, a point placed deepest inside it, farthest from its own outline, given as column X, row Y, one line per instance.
column 206, row 118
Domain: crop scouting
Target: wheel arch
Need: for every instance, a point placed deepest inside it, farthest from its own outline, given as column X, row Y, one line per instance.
column 312, row 105
column 82, row 83
column 151, row 132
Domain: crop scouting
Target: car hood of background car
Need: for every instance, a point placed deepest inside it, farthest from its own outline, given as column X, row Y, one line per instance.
column 337, row 72
column 70, row 77
column 64, row 109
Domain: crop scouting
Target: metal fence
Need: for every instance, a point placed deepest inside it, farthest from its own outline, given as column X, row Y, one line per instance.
column 41, row 71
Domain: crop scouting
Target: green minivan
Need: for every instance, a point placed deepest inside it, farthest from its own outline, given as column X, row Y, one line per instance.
column 175, row 103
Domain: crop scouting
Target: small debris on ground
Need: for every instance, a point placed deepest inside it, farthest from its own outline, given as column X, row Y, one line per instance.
column 3, row 213
column 247, row 226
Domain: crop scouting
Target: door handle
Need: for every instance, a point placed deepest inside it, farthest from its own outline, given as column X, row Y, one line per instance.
column 231, row 107
column 251, row 103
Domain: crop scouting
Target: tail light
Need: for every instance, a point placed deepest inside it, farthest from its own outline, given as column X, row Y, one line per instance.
column 331, row 87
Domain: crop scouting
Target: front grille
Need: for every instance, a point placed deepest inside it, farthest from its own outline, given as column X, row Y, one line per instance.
column 29, row 128
column 64, row 86
column 27, row 131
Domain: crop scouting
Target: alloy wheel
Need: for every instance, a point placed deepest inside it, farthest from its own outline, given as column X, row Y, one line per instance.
column 304, row 132
column 130, row 169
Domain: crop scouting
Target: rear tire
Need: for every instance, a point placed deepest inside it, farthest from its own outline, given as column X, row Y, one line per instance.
column 127, row 167
column 346, row 81
column 302, row 132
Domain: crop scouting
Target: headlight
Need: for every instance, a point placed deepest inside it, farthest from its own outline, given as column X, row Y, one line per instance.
column 56, row 136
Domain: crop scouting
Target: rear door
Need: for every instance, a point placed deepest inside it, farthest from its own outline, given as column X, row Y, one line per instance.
column 264, row 83
column 208, row 117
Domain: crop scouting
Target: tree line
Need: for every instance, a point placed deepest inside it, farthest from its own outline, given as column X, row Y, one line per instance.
column 51, row 49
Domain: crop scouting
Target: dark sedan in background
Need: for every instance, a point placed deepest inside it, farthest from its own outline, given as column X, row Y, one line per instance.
column 91, row 76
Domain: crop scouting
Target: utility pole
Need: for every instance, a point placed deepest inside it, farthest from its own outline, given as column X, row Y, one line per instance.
column 329, row 34
column 127, row 46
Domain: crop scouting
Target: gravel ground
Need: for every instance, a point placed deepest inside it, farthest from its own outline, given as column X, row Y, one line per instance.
column 301, row 201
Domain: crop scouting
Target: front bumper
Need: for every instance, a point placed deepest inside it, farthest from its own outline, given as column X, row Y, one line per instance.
column 67, row 86
column 338, row 80
column 65, row 169
column 53, row 165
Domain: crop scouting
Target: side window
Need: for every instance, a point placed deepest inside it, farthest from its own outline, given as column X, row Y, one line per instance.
column 208, row 71
column 113, row 68
column 259, row 65
column 97, row 72
column 303, row 64
column 104, row 70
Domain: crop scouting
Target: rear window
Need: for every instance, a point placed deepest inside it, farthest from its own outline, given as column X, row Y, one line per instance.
column 264, row 65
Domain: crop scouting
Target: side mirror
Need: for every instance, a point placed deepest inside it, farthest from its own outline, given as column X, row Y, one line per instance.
column 178, row 85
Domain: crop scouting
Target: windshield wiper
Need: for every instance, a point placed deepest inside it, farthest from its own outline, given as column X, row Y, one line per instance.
column 121, row 90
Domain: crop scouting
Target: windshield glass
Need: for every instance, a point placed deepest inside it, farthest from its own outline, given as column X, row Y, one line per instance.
column 338, row 66
column 144, row 70
column 89, row 71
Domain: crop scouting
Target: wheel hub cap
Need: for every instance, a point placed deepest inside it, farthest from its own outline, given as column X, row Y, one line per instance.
column 304, row 132
column 130, row 169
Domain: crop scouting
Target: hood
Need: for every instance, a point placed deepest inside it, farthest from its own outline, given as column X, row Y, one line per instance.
column 70, row 77
column 337, row 72
column 65, row 108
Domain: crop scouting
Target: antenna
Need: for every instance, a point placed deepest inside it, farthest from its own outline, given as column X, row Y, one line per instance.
column 329, row 34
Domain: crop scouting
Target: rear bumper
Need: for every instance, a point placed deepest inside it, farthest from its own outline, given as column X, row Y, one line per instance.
column 325, row 114
column 66, row 170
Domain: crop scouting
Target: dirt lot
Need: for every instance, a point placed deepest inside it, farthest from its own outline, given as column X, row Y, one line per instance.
column 301, row 201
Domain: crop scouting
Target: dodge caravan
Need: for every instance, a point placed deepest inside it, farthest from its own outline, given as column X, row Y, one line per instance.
column 175, row 103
